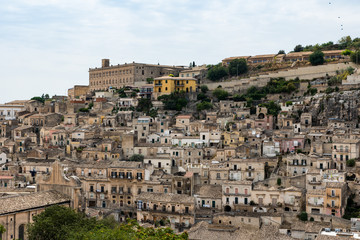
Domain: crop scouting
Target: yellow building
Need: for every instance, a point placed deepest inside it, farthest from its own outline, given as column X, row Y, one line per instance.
column 166, row 85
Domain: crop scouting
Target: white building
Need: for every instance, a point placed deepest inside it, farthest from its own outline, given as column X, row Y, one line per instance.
column 8, row 111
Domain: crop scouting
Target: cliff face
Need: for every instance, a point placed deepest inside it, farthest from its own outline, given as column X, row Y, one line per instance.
column 344, row 106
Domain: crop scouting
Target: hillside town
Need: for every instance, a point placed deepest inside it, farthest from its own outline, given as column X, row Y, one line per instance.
column 271, row 152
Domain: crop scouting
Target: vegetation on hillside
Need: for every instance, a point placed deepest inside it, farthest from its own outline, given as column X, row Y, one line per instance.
column 62, row 223
column 216, row 72
column 344, row 43
column 317, row 58
column 174, row 101
column 42, row 99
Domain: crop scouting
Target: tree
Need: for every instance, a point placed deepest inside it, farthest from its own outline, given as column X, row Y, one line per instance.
column 202, row 97
column 355, row 57
column 57, row 223
column 150, row 80
column 220, row 94
column 350, row 163
column 238, row 66
column 153, row 112
column 2, row 231
column 136, row 158
column 317, row 58
column 144, row 105
column 346, row 52
column 272, row 108
column 40, row 99
column 216, row 72
column 83, row 110
column 204, row 106
column 60, row 223
column 204, row 88
column 345, row 42
column 303, row 216
column 281, row 52
column 174, row 101
column 298, row 48
column 238, row 98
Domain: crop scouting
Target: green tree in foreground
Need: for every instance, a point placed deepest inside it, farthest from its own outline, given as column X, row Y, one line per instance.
column 2, row 230
column 317, row 58
column 60, row 223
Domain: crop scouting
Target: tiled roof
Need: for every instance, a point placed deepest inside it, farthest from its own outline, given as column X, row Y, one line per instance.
column 28, row 201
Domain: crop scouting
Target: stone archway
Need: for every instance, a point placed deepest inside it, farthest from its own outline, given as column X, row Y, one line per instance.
column 227, row 208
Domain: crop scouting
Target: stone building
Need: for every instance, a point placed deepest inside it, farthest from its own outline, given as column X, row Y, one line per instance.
column 18, row 211
column 127, row 74
column 179, row 209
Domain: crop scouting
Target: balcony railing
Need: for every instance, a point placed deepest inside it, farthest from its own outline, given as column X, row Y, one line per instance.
column 314, row 182
column 237, row 194
column 316, row 204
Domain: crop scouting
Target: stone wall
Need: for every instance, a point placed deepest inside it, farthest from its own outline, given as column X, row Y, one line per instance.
column 306, row 73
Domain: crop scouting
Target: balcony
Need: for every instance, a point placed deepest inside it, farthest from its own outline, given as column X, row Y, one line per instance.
column 342, row 150
column 315, row 204
column 158, row 84
column 250, row 178
column 250, row 169
column 330, row 206
column 314, row 182
column 333, row 196
column 237, row 194
column 167, row 212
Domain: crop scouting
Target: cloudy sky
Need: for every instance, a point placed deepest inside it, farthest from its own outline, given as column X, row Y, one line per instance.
column 47, row 46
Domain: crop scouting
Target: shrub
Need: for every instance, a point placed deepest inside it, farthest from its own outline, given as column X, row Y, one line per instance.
column 220, row 94
column 355, row 57
column 136, row 158
column 237, row 66
column 203, row 106
column 303, row 216
column 216, row 72
column 350, row 163
column 204, row 89
column 317, row 58
column 311, row 219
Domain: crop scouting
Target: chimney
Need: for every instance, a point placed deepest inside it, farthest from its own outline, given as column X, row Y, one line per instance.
column 105, row 63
